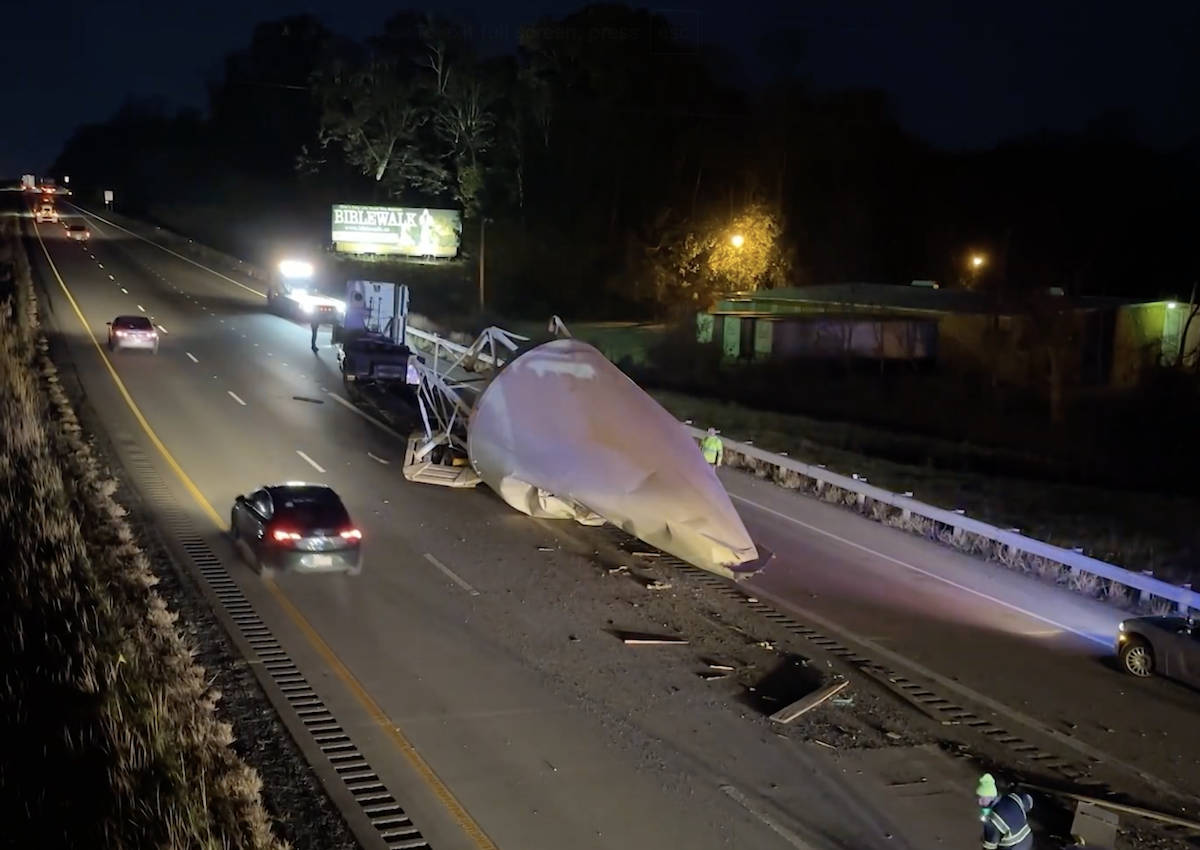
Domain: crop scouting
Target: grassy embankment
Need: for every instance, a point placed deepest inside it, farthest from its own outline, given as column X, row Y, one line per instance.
column 110, row 734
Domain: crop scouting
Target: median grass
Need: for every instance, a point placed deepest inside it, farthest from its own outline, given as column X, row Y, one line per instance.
column 111, row 738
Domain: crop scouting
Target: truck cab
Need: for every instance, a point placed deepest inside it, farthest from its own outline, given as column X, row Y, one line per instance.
column 301, row 288
column 45, row 212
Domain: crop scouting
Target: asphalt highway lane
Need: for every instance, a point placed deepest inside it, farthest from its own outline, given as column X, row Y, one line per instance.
column 531, row 769
column 1039, row 651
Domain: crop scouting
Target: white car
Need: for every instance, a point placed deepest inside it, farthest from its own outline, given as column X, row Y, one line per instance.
column 45, row 212
column 135, row 332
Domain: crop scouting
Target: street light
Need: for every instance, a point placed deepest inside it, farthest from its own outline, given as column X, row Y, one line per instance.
column 976, row 261
column 738, row 240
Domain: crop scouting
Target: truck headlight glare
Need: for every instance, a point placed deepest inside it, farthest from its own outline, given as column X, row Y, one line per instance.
column 295, row 268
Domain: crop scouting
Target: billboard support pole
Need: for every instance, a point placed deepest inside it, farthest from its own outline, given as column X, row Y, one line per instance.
column 400, row 314
column 482, row 261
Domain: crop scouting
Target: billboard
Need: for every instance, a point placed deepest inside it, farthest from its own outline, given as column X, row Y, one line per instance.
column 399, row 231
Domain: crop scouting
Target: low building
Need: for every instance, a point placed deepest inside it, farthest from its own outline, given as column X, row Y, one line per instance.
column 1095, row 342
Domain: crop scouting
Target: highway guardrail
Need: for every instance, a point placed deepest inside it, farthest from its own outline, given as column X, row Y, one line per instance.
column 1142, row 588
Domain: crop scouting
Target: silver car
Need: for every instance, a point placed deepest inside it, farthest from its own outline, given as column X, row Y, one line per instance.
column 1168, row 646
column 132, row 332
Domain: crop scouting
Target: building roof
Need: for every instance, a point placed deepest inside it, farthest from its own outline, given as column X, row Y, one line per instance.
column 882, row 296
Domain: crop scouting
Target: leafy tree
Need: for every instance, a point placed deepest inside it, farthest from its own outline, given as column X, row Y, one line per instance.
column 371, row 110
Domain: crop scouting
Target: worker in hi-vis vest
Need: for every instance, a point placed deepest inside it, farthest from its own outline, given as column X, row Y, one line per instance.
column 1005, row 817
column 713, row 448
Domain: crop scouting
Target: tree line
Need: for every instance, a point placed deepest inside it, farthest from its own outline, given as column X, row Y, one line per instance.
column 617, row 172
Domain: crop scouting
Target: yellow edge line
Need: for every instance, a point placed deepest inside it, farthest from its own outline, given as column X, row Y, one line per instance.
column 414, row 758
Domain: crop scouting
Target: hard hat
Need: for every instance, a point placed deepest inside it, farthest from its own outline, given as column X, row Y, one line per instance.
column 987, row 786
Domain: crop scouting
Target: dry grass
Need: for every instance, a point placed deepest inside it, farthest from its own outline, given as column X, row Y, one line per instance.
column 110, row 734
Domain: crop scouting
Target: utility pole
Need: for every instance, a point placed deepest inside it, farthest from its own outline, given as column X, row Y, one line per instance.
column 482, row 260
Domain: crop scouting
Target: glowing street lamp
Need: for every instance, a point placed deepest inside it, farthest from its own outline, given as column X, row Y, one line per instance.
column 977, row 262
column 737, row 241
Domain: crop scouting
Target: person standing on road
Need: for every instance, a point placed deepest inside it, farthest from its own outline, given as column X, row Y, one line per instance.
column 713, row 448
column 1005, row 818
column 316, row 326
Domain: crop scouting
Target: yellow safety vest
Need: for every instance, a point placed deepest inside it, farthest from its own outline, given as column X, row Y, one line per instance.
column 712, row 448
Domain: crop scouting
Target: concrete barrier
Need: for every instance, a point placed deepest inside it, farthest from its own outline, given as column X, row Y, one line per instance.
column 954, row 528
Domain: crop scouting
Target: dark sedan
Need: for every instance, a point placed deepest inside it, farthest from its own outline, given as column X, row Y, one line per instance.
column 296, row 527
column 1167, row 646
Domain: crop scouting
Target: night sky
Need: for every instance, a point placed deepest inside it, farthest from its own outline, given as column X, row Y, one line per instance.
column 962, row 73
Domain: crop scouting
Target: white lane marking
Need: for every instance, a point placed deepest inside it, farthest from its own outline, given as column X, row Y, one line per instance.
column 169, row 251
column 93, row 256
column 101, row 265
column 126, row 291
column 450, row 574
column 140, row 307
column 234, row 396
column 191, row 356
column 161, row 328
column 363, row 414
column 378, row 458
column 768, row 819
column 311, row 462
column 1107, row 644
column 110, row 277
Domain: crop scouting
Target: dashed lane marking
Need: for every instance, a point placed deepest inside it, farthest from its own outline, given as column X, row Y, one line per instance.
column 191, row 356
column 477, row 837
column 236, row 398
column 450, row 574
column 310, row 461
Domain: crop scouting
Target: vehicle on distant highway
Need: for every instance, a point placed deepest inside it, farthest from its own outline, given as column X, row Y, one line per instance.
column 1166, row 645
column 45, row 212
column 132, row 332
column 296, row 527
column 79, row 232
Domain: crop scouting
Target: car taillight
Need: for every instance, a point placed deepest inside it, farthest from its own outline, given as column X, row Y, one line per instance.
column 352, row 534
column 281, row 535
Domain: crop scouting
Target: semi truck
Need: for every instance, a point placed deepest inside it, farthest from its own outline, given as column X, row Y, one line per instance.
column 301, row 288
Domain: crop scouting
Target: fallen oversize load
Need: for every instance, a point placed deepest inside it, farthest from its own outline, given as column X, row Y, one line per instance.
column 562, row 433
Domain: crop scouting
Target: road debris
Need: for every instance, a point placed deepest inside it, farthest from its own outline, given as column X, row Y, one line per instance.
column 806, row 704
column 648, row 639
column 1136, row 811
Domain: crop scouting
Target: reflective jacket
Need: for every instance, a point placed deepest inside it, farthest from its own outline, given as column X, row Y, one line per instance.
column 713, row 449
column 1006, row 826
